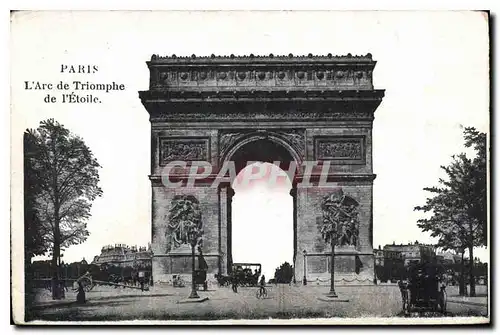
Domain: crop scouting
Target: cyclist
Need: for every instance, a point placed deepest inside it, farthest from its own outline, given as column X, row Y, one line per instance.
column 262, row 284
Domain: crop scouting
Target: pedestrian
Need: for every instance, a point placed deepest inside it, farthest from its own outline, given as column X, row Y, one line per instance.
column 141, row 280
column 403, row 288
column 234, row 281
column 80, row 297
column 63, row 288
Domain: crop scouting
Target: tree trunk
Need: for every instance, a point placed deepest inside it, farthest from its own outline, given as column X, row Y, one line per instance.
column 56, row 292
column 332, row 272
column 56, row 252
column 193, row 294
column 472, row 292
column 28, row 288
column 462, row 276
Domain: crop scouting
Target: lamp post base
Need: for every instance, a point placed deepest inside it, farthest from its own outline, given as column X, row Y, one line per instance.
column 194, row 295
column 332, row 294
column 333, row 299
column 304, row 281
column 189, row 300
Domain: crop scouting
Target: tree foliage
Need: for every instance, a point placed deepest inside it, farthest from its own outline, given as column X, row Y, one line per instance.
column 458, row 206
column 35, row 242
column 478, row 207
column 65, row 182
column 284, row 274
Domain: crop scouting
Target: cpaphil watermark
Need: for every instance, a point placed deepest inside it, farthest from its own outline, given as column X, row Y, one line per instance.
column 188, row 174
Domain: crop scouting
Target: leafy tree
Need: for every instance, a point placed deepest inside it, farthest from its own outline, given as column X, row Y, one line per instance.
column 284, row 273
column 447, row 223
column 339, row 225
column 34, row 233
column 478, row 196
column 67, row 178
column 458, row 206
column 185, row 227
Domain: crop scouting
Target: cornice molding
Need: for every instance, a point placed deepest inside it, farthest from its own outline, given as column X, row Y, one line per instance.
column 290, row 58
column 156, row 180
column 242, row 95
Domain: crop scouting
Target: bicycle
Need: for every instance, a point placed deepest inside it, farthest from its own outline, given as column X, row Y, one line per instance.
column 261, row 293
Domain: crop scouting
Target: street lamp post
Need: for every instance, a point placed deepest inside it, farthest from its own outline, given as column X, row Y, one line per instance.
column 194, row 294
column 304, row 280
column 332, row 292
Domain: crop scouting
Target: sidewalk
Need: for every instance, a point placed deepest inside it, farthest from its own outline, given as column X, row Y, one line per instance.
column 474, row 301
column 44, row 297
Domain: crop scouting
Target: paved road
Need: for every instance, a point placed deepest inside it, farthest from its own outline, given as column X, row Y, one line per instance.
column 283, row 301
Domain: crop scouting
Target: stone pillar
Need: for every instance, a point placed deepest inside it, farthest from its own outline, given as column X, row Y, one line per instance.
column 223, row 227
column 229, row 240
column 301, row 242
column 293, row 194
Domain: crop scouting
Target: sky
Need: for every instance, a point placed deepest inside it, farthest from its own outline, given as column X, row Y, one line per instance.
column 433, row 66
column 269, row 235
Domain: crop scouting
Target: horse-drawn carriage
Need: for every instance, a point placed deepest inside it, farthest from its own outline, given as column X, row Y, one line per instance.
column 222, row 280
column 424, row 290
column 247, row 274
column 88, row 282
column 244, row 274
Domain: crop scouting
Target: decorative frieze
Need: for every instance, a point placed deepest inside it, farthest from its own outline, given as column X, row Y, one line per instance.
column 341, row 78
column 334, row 72
column 184, row 149
column 210, row 116
column 340, row 150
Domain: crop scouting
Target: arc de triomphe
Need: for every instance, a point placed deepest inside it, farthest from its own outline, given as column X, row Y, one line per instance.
column 272, row 108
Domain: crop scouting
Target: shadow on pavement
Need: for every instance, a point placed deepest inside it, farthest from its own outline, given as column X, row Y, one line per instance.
column 108, row 300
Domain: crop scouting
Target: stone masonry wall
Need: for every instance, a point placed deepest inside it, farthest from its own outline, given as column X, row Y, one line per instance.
column 171, row 262
column 309, row 239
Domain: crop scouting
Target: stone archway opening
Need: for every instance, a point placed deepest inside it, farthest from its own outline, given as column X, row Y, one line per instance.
column 262, row 218
column 261, row 208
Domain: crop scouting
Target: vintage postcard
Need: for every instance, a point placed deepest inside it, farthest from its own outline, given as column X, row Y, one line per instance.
column 258, row 167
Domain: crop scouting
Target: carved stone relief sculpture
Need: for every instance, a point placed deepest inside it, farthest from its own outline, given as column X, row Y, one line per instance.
column 185, row 149
column 341, row 211
column 184, row 219
column 340, row 150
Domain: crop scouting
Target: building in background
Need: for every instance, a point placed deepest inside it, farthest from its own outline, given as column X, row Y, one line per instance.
column 446, row 258
column 409, row 253
column 378, row 255
column 122, row 255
